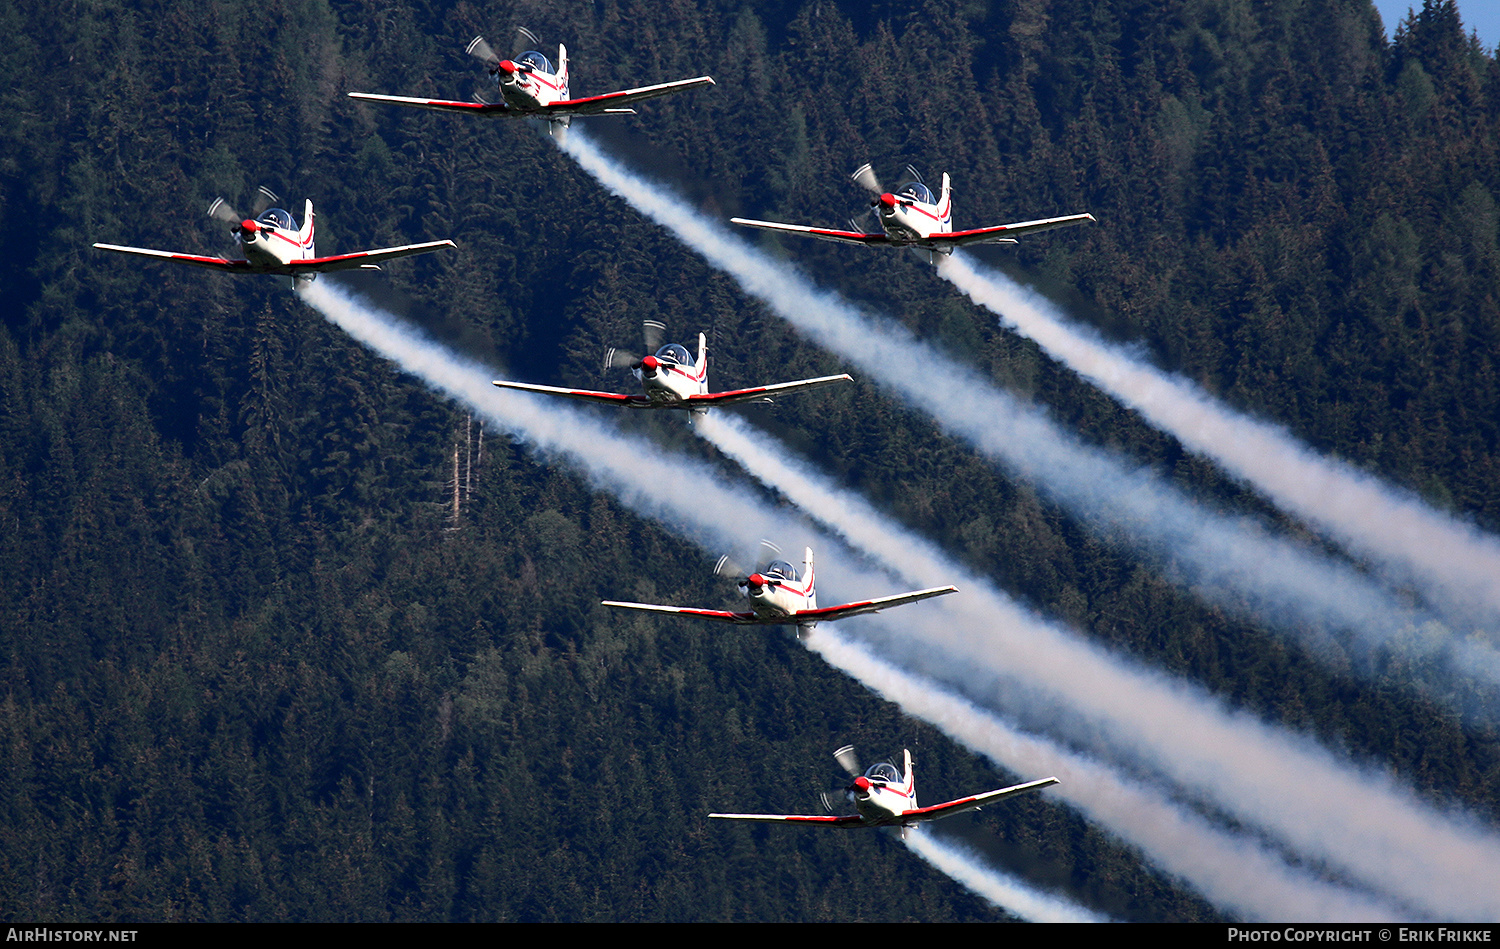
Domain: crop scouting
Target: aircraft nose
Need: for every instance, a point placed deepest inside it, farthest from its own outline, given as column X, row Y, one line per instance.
column 507, row 67
column 756, row 581
column 249, row 227
column 888, row 201
column 650, row 363
column 863, row 783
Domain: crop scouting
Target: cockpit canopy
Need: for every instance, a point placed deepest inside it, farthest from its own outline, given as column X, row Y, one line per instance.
column 277, row 218
column 675, row 353
column 917, row 191
column 885, row 771
column 781, row 570
column 536, row 61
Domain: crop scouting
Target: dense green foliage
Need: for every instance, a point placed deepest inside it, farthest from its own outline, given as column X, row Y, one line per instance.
column 250, row 670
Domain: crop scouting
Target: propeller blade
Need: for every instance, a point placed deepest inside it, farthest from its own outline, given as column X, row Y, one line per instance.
column 482, row 51
column 729, row 569
column 264, row 198
column 848, row 761
column 221, row 210
column 531, row 41
column 864, row 176
column 832, row 801
column 619, row 359
column 652, row 332
column 916, row 175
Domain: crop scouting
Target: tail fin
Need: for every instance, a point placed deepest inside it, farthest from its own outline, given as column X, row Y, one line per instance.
column 807, row 573
column 945, row 206
column 305, row 236
column 703, row 360
column 562, row 72
column 911, row 782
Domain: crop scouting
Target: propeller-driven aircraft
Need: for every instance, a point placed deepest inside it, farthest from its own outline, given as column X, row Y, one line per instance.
column 531, row 87
column 886, row 797
column 911, row 217
column 673, row 379
column 779, row 596
column 273, row 244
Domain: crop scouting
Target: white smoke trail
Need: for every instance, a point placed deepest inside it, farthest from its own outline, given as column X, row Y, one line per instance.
column 1360, row 822
column 1231, row 871
column 696, row 502
column 1232, row 559
column 1006, row 892
column 1457, row 562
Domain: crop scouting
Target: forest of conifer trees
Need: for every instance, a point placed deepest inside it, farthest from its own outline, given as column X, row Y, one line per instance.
column 279, row 641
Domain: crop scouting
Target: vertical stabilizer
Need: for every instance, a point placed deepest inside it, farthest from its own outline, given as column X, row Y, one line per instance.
column 911, row 781
column 807, row 576
column 305, row 236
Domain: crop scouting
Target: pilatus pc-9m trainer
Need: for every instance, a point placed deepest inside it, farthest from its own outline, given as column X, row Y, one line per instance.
column 532, row 88
column 885, row 796
column 273, row 243
column 911, row 217
column 672, row 379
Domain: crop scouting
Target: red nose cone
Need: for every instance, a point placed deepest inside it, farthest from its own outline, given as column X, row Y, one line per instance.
column 249, row 226
column 862, row 782
column 507, row 67
column 651, row 362
column 888, row 200
column 756, row 580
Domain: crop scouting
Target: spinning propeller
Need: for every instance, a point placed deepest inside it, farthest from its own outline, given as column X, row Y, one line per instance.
column 651, row 336
column 864, row 176
column 481, row 50
column 731, row 569
column 221, row 210
column 849, row 761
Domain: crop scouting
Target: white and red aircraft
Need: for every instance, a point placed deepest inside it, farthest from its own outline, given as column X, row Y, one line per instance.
column 780, row 597
column 673, row 379
column 531, row 88
column 911, row 217
column 274, row 244
column 885, row 797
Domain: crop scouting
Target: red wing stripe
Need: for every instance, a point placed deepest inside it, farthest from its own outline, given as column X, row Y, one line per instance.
column 845, row 821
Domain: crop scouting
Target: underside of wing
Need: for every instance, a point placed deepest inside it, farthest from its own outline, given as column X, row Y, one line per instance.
column 949, row 808
column 214, row 263
column 762, row 393
column 442, row 105
column 844, row 610
column 822, row 233
column 613, row 101
column 722, row 616
column 586, row 395
column 850, row 820
column 363, row 258
column 1007, row 232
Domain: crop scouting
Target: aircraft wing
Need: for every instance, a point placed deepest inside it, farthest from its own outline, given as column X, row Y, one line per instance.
column 214, row 263
column 722, row 616
column 759, row 393
column 443, row 105
column 849, row 820
column 842, row 611
column 822, row 233
column 614, row 101
column 937, row 811
column 364, row 258
column 587, row 395
column 1005, row 232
